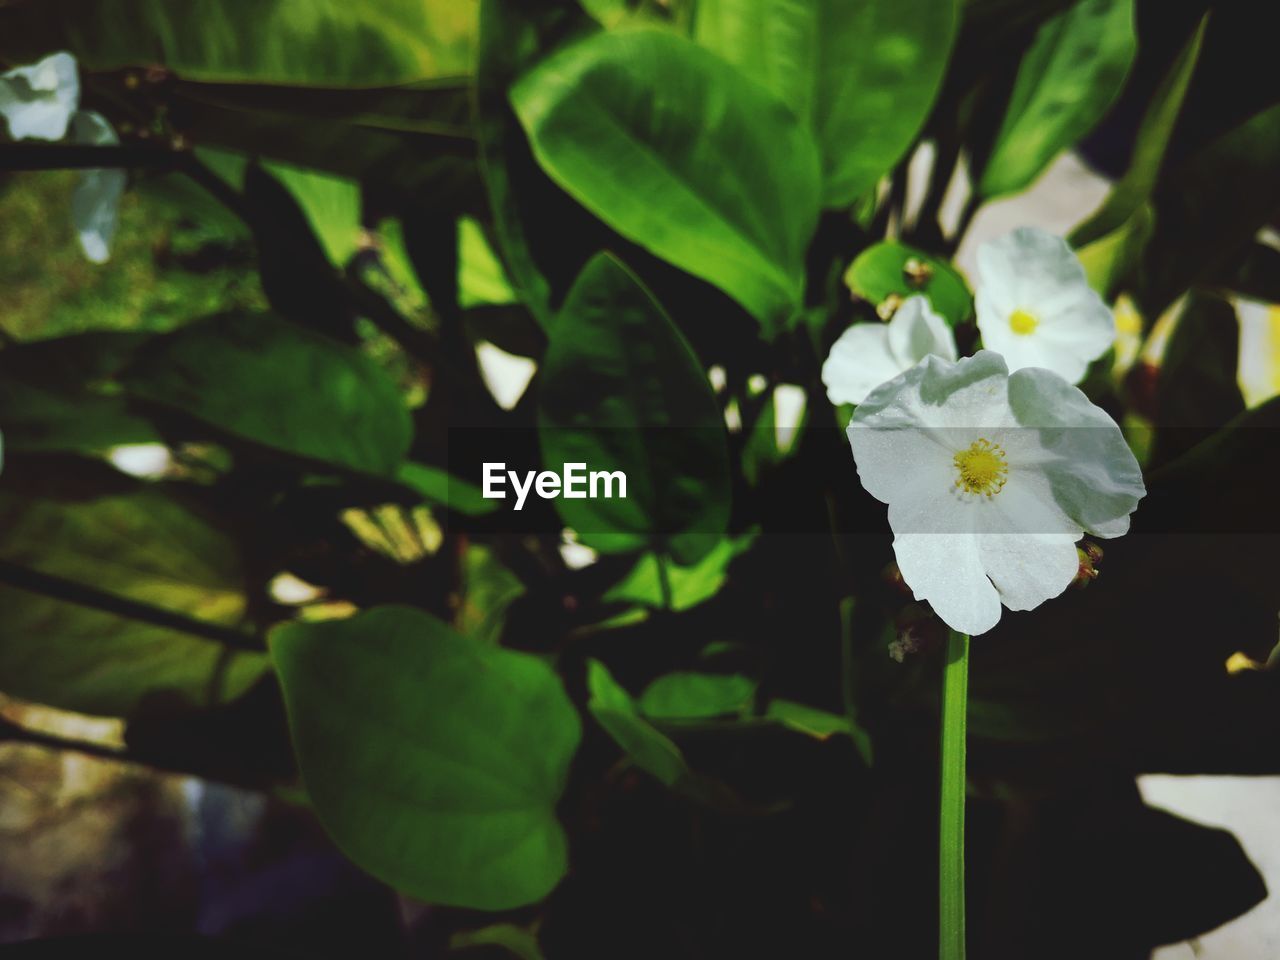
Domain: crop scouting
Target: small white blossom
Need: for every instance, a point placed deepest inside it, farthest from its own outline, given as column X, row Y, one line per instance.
column 1036, row 307
column 990, row 479
column 95, row 205
column 38, row 101
column 868, row 354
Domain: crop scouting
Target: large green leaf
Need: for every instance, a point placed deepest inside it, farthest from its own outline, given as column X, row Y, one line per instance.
column 330, row 43
column 681, row 153
column 1066, row 82
column 862, row 73
column 137, row 544
column 435, row 762
column 274, row 383
column 620, row 389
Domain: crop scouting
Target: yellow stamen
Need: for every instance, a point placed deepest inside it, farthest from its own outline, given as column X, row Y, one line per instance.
column 982, row 468
column 1023, row 322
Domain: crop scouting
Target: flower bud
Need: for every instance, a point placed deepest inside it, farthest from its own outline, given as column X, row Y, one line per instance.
column 919, row 631
column 1089, row 555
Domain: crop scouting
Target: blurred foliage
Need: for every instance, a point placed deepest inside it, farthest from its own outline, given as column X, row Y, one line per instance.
column 667, row 725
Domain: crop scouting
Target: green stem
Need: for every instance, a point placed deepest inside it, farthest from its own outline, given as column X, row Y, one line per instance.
column 70, row 591
column 955, row 697
column 664, row 580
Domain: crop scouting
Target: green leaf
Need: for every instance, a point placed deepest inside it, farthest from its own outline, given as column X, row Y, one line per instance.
column 690, row 585
column 274, row 383
column 879, row 272
column 434, row 762
column 1209, row 209
column 138, row 544
column 862, row 74
column 481, row 277
column 1112, row 259
column 696, row 696
column 685, row 156
column 810, row 721
column 325, row 43
column 443, row 489
column 621, row 390
column 54, row 398
column 1065, row 84
column 487, row 590
column 37, row 420
column 1131, row 193
column 616, row 712
column 331, row 205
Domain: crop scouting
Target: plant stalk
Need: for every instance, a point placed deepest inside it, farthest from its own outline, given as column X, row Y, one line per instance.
column 955, row 704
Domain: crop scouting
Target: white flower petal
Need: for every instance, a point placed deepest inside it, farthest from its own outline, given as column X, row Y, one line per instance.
column 946, row 570
column 1037, row 272
column 916, row 331
column 990, row 479
column 1092, row 472
column 1029, row 260
column 37, row 101
column 858, row 363
column 1028, row 569
column 95, row 205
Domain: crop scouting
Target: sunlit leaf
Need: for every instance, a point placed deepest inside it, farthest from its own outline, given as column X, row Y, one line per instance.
column 1066, row 82
column 862, row 73
column 305, row 42
column 138, row 544
column 682, row 154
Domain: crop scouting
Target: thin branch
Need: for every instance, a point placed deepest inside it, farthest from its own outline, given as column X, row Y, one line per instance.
column 11, row 732
column 70, row 591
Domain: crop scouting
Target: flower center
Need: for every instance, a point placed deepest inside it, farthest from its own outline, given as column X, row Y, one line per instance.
column 982, row 468
column 1023, row 322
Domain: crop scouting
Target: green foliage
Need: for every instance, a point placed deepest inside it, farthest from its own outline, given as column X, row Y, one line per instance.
column 882, row 271
column 683, row 155
column 325, row 43
column 616, row 712
column 862, row 74
column 691, row 696
column 673, row 209
column 459, row 751
column 621, row 390
column 268, row 381
column 134, row 543
column 1067, row 80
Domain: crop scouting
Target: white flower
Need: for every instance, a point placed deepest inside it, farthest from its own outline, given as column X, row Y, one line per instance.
column 868, row 354
column 1035, row 306
column 95, row 205
column 37, row 101
column 990, row 480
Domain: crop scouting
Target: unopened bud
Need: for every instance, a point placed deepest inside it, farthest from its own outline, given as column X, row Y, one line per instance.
column 917, row 272
column 919, row 631
column 1089, row 555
